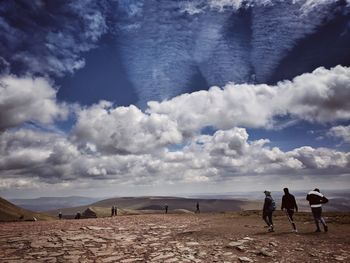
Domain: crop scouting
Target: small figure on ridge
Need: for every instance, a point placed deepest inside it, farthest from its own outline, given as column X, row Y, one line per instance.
column 112, row 211
column 197, row 208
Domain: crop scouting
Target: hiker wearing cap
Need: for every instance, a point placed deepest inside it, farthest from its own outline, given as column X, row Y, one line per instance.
column 269, row 207
column 288, row 205
column 316, row 199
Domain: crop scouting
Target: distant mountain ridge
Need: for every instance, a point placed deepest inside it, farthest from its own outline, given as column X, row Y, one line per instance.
column 235, row 201
column 156, row 204
column 11, row 212
column 52, row 203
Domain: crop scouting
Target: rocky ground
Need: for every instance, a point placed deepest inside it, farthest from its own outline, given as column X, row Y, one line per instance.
column 228, row 237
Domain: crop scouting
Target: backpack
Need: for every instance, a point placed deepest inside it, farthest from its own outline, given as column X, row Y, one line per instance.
column 273, row 205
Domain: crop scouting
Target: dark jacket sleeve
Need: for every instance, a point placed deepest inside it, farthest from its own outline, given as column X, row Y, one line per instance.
column 267, row 203
column 283, row 202
column 308, row 197
column 324, row 200
column 295, row 204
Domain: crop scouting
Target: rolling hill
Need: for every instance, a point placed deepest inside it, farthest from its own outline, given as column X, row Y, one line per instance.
column 11, row 212
column 154, row 205
column 51, row 203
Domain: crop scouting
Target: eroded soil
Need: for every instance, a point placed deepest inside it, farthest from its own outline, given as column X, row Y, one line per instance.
column 174, row 238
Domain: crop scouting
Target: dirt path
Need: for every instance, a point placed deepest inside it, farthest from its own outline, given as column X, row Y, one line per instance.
column 173, row 238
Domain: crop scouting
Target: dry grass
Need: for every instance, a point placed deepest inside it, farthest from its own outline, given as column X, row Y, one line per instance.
column 10, row 212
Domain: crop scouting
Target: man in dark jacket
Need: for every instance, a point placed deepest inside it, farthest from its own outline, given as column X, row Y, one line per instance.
column 316, row 199
column 269, row 207
column 289, row 204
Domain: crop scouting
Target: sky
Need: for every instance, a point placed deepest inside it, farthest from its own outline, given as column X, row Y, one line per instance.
column 147, row 97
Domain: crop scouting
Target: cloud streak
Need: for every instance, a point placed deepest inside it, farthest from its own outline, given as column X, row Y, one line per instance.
column 48, row 38
column 166, row 45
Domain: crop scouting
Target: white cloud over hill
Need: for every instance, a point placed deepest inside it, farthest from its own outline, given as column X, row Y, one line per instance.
column 45, row 157
column 165, row 144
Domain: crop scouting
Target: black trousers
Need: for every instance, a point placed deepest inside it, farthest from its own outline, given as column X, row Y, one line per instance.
column 290, row 213
column 267, row 217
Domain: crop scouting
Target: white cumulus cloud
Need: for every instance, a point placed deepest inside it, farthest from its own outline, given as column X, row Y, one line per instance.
column 320, row 96
column 28, row 99
column 341, row 132
column 124, row 130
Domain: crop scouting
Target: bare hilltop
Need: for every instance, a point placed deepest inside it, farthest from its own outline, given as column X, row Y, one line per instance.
column 206, row 237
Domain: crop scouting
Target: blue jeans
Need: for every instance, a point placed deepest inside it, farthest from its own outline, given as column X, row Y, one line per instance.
column 317, row 213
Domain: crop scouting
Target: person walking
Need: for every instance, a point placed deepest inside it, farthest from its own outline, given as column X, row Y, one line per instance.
column 269, row 207
column 197, row 208
column 288, row 205
column 112, row 211
column 115, row 210
column 78, row 215
column 166, row 209
column 316, row 199
column 60, row 215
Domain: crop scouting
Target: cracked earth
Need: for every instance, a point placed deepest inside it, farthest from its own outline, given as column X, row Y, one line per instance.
column 172, row 238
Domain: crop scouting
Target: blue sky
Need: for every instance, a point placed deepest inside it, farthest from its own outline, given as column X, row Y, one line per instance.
column 186, row 96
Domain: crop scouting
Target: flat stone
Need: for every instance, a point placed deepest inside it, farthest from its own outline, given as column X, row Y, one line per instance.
column 40, row 253
column 241, row 248
column 98, row 228
column 72, row 257
column 265, row 253
column 155, row 244
column 192, row 243
column 111, row 259
column 339, row 258
column 163, row 256
column 245, row 259
column 274, row 244
column 131, row 260
column 75, row 237
column 171, row 260
column 47, row 259
column 234, row 244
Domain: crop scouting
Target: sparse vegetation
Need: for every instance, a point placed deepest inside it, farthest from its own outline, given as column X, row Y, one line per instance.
column 10, row 212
